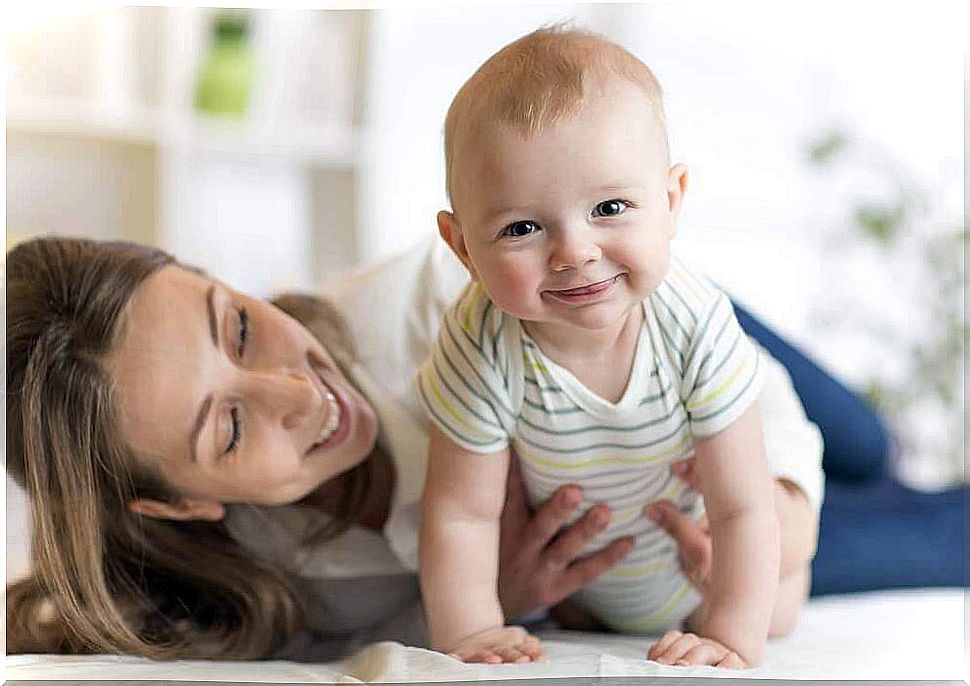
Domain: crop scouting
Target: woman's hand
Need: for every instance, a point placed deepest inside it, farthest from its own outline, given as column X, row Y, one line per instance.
column 539, row 565
column 693, row 538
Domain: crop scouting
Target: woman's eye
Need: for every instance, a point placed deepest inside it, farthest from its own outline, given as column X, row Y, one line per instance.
column 243, row 332
column 610, row 208
column 236, row 430
column 520, row 229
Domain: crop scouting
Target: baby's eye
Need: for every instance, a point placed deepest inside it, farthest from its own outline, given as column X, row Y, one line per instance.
column 520, row 229
column 609, row 208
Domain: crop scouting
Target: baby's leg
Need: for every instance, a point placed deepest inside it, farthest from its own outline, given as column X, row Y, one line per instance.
column 799, row 539
column 792, row 593
column 798, row 527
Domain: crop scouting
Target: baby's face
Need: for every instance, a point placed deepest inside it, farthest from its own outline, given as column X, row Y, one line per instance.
column 572, row 225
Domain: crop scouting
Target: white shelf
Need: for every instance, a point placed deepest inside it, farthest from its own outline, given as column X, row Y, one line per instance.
column 331, row 145
column 82, row 119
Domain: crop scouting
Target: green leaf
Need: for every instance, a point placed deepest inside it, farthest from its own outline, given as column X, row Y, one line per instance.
column 879, row 223
column 827, row 147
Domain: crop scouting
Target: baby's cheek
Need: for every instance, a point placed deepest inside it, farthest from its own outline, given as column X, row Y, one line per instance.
column 513, row 289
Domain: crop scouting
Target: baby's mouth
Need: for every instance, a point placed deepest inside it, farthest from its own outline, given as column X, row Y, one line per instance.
column 588, row 289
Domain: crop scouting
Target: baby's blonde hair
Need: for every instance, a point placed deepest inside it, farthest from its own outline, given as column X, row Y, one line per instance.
column 538, row 80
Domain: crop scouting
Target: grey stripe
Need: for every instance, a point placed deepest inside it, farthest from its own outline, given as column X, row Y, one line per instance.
column 547, row 389
column 725, row 358
column 673, row 315
column 662, row 394
column 663, row 332
column 457, row 396
column 445, row 425
column 599, row 446
column 596, row 427
column 451, row 334
column 700, row 335
column 551, row 411
column 740, row 393
column 461, row 377
column 687, row 307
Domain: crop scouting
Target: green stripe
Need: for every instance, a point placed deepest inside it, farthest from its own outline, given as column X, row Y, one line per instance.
column 641, row 459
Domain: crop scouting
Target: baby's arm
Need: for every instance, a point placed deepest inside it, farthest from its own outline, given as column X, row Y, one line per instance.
column 738, row 493
column 463, row 499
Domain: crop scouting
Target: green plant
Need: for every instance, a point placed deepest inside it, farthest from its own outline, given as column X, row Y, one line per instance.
column 907, row 229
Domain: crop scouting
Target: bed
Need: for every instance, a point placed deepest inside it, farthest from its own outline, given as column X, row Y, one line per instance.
column 882, row 635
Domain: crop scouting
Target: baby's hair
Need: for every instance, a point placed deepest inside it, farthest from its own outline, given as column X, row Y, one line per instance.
column 538, row 80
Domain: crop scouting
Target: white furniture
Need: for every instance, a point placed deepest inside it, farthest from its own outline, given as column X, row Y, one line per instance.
column 103, row 140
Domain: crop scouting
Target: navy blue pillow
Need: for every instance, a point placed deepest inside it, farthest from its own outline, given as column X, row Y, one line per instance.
column 884, row 535
column 856, row 440
column 874, row 533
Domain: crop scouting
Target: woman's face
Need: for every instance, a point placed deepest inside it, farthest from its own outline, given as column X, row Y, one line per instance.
column 231, row 399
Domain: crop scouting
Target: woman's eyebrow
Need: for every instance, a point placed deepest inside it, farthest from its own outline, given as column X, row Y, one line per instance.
column 211, row 308
column 207, row 403
column 197, row 427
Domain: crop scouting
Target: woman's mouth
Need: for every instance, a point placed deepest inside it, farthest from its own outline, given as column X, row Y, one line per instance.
column 335, row 428
column 585, row 294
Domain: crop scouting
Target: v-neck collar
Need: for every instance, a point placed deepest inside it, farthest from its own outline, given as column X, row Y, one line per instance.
column 591, row 402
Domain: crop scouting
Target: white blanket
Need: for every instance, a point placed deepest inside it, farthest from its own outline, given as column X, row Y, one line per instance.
column 911, row 634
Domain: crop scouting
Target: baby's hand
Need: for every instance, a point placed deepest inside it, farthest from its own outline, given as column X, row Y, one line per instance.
column 682, row 650
column 499, row 644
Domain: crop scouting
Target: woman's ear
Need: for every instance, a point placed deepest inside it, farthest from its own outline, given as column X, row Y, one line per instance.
column 676, row 189
column 180, row 509
column 450, row 231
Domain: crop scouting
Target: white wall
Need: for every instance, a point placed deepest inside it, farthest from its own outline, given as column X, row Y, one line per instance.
column 747, row 86
column 418, row 60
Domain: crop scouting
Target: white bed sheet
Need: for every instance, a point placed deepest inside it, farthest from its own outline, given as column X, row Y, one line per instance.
column 906, row 634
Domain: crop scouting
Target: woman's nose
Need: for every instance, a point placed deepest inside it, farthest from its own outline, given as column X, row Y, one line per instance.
column 574, row 249
column 289, row 396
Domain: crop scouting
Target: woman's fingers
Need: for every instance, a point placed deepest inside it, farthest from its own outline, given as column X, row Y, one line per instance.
column 582, row 571
column 571, row 542
column 687, row 473
column 693, row 540
column 553, row 515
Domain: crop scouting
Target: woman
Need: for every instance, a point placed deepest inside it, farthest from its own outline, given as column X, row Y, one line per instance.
column 211, row 478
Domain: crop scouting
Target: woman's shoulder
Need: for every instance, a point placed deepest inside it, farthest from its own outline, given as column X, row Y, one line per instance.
column 283, row 535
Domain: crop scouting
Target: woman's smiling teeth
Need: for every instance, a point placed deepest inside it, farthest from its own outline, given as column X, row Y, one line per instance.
column 333, row 419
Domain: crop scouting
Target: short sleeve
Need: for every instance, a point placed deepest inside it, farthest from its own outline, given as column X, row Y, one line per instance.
column 463, row 385
column 723, row 372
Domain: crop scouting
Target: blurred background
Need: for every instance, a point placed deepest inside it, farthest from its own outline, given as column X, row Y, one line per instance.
column 280, row 148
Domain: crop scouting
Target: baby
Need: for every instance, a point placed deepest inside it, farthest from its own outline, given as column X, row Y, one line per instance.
column 583, row 347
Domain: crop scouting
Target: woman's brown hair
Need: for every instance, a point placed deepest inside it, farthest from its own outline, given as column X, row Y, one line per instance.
column 104, row 579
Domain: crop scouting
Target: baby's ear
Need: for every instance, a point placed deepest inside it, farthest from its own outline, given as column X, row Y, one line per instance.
column 450, row 231
column 676, row 189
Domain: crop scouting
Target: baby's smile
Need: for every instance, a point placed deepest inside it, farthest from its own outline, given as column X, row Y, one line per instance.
column 589, row 293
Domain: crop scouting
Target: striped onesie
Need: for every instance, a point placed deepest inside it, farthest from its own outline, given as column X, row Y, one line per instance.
column 488, row 386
